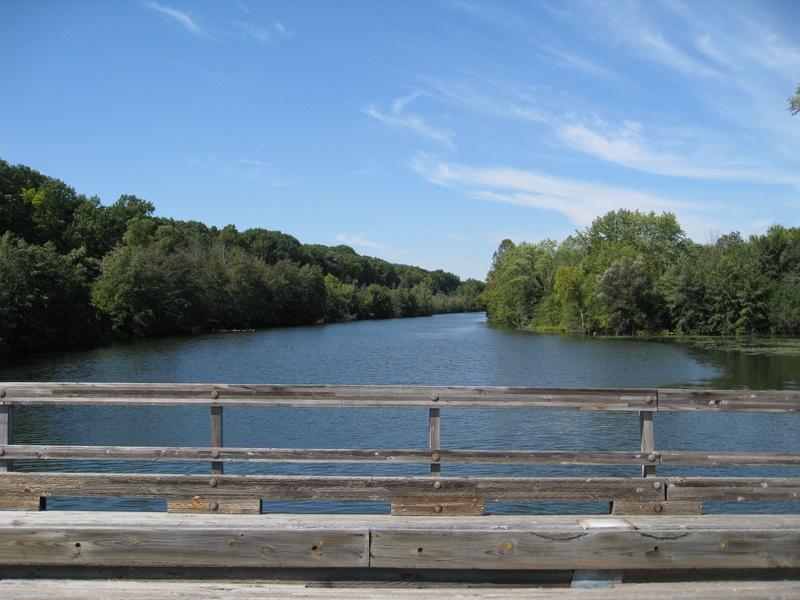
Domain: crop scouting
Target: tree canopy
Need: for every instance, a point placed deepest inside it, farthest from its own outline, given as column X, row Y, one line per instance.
column 76, row 271
column 631, row 272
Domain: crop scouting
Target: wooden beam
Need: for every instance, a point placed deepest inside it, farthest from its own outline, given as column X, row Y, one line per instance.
column 550, row 542
column 181, row 487
column 733, row 489
column 126, row 589
column 329, row 396
column 397, row 456
column 729, row 400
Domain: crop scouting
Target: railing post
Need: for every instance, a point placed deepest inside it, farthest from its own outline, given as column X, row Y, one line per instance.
column 648, row 441
column 217, row 468
column 435, row 443
column 6, row 433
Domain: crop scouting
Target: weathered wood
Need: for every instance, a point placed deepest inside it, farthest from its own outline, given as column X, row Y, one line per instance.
column 728, row 400
column 486, row 543
column 647, row 434
column 210, row 504
column 6, row 433
column 337, row 455
column 582, row 546
column 217, row 467
column 487, row 489
column 187, row 546
column 46, row 589
column 329, row 396
column 434, row 444
column 22, row 502
column 415, row 507
column 733, row 489
column 732, row 459
column 656, row 508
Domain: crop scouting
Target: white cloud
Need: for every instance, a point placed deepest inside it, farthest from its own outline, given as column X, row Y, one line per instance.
column 398, row 116
column 626, row 146
column 177, row 16
column 357, row 240
column 579, row 201
column 264, row 35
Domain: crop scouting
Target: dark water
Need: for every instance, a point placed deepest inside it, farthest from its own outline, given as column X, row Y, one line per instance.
column 442, row 350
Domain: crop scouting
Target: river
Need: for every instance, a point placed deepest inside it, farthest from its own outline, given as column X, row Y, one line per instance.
column 458, row 349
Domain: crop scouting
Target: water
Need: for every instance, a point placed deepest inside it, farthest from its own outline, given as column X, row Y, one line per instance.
column 456, row 349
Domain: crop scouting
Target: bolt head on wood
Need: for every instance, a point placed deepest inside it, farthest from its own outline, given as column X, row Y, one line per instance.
column 214, row 395
column 652, row 458
column 213, row 483
column 434, row 397
column 648, row 399
column 436, row 457
column 437, row 508
column 215, row 454
column 437, row 485
column 213, row 506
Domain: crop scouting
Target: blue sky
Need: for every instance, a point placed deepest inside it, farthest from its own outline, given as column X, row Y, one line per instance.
column 419, row 131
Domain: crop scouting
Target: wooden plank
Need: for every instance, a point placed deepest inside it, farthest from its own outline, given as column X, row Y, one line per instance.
column 415, row 507
column 398, row 456
column 63, row 589
column 330, row 396
column 199, row 546
column 602, row 548
column 733, row 489
column 487, row 489
column 741, row 459
column 658, row 508
column 487, row 543
column 728, row 400
column 22, row 502
column 211, row 504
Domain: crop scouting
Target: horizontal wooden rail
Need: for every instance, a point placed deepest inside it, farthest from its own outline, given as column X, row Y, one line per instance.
column 398, row 397
column 397, row 456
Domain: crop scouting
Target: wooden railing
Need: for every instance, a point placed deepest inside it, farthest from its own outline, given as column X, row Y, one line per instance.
column 436, row 494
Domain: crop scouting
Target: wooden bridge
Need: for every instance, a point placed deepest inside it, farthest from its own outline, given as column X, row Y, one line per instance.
column 214, row 541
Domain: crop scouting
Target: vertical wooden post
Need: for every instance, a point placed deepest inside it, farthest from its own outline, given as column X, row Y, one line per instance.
column 217, row 468
column 648, row 441
column 435, row 444
column 6, row 432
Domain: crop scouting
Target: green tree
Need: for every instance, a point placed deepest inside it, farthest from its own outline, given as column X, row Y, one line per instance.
column 794, row 102
column 44, row 298
column 621, row 289
column 146, row 291
column 522, row 276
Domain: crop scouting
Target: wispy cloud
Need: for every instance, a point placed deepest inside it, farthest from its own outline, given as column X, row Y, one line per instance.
column 357, row 239
column 262, row 34
column 626, row 146
column 175, row 16
column 399, row 116
column 581, row 202
column 580, row 63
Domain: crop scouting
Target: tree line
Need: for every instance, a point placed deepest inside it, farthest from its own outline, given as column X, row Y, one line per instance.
column 632, row 272
column 75, row 271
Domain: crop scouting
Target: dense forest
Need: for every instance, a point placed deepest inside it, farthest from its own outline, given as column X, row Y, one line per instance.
column 631, row 272
column 75, row 271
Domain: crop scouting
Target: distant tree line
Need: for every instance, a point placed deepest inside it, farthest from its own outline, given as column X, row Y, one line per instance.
column 75, row 271
column 631, row 272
